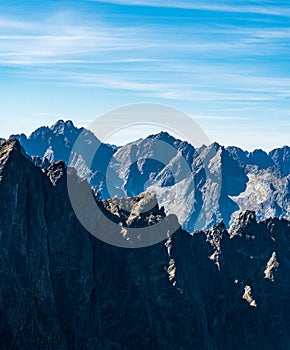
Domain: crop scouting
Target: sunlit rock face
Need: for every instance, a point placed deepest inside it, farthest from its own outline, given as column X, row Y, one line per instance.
column 62, row 288
column 201, row 186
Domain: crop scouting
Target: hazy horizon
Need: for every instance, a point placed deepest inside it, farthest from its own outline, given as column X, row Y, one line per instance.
column 133, row 134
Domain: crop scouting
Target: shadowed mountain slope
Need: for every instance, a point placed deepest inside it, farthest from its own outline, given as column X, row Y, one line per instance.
column 62, row 288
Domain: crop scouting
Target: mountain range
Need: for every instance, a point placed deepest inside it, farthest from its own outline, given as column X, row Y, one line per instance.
column 62, row 288
column 202, row 186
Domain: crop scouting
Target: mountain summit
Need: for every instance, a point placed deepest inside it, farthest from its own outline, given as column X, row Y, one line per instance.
column 201, row 186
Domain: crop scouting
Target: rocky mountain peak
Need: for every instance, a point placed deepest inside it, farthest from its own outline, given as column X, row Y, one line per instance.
column 202, row 186
column 55, row 171
column 216, row 146
column 260, row 158
column 139, row 210
column 162, row 135
column 61, row 127
column 242, row 222
column 10, row 144
column 281, row 158
column 10, row 149
column 171, row 140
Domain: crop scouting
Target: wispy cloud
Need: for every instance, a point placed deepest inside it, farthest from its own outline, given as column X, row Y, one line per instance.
column 13, row 23
column 62, row 41
column 65, row 39
column 220, row 117
column 236, row 88
column 224, row 66
column 256, row 7
column 207, row 95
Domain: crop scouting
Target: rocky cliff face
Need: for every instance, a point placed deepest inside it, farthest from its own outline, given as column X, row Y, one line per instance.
column 201, row 186
column 281, row 158
column 61, row 288
column 49, row 144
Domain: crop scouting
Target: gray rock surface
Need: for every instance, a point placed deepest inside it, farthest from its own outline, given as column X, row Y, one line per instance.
column 201, row 186
column 61, row 288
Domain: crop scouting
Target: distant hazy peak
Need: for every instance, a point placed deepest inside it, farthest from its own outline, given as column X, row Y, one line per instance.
column 62, row 126
column 281, row 158
column 285, row 148
column 164, row 136
column 171, row 140
column 216, row 146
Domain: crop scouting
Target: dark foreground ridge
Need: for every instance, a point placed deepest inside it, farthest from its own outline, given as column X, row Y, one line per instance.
column 61, row 288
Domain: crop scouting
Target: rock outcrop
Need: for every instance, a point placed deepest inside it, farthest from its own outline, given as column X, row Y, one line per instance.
column 201, row 186
column 62, row 288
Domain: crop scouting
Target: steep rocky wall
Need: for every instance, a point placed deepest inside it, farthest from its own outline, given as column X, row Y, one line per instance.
column 62, row 288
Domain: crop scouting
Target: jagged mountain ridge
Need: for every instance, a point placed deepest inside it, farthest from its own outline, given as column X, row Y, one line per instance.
column 64, row 289
column 217, row 183
column 56, row 142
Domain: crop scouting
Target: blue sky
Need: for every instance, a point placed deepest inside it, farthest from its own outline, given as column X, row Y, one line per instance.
column 226, row 63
